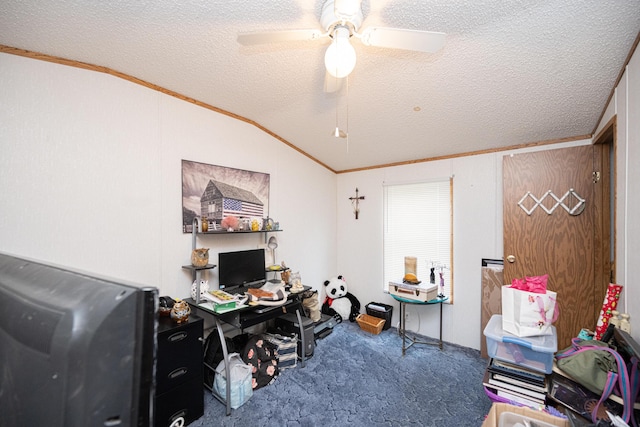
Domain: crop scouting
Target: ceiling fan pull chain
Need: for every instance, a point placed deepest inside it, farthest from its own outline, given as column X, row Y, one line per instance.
column 347, row 114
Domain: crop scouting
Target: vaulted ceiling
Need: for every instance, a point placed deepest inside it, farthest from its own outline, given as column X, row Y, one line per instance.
column 510, row 73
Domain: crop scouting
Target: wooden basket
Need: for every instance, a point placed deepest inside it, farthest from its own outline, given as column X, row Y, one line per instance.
column 370, row 324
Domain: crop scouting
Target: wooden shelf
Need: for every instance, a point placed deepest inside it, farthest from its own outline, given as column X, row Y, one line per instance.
column 194, row 268
column 238, row 232
column 195, row 271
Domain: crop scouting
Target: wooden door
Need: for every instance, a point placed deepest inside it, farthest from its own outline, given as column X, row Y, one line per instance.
column 557, row 234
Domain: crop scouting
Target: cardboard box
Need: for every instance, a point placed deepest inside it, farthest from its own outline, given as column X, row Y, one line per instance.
column 498, row 408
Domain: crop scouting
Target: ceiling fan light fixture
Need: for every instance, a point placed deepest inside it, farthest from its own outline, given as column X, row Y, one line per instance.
column 347, row 9
column 340, row 57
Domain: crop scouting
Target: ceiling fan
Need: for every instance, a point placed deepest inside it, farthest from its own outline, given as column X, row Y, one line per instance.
column 341, row 20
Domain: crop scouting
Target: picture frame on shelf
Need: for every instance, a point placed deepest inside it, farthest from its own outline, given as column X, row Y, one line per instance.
column 212, row 193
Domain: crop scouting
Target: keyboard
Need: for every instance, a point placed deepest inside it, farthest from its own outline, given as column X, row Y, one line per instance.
column 266, row 309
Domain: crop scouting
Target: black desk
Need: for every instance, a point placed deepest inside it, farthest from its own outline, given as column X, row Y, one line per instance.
column 242, row 318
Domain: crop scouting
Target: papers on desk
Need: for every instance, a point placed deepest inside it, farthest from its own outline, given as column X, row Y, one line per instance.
column 221, row 301
column 218, row 308
column 219, row 296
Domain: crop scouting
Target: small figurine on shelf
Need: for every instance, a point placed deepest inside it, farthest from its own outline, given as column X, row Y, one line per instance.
column 204, row 288
column 296, row 283
column 285, row 276
column 180, row 311
column 439, row 267
column 625, row 325
column 615, row 318
column 205, row 224
column 267, row 224
column 200, row 257
column 441, row 294
column 230, row 223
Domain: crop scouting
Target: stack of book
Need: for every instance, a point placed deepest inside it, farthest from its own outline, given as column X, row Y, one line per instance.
column 516, row 383
column 221, row 300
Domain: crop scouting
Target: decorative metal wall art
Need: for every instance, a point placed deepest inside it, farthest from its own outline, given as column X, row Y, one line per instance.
column 574, row 203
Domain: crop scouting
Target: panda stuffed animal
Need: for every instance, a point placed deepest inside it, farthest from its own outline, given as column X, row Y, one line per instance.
column 339, row 300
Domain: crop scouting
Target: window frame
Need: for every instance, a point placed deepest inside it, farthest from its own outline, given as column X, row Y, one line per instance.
column 441, row 188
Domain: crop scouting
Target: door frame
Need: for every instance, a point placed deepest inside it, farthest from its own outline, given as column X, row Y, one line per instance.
column 605, row 232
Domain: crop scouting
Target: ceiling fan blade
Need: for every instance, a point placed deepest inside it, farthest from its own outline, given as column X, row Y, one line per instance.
column 264, row 37
column 396, row 38
column 331, row 83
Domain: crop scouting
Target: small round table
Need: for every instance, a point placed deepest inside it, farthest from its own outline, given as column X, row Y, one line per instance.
column 402, row 330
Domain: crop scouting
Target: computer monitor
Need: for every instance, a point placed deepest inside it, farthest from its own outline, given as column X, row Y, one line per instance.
column 75, row 350
column 241, row 268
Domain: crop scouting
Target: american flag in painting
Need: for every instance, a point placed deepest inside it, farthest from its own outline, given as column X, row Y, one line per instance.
column 240, row 209
column 220, row 200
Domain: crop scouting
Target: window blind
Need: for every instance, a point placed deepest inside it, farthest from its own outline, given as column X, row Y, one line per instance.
column 417, row 222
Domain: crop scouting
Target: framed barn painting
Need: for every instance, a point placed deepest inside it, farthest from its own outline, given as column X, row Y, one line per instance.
column 212, row 193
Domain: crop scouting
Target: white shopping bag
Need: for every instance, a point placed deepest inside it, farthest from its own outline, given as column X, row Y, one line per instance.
column 528, row 314
column 241, row 375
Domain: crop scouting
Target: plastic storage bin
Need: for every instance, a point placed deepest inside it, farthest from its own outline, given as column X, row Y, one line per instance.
column 534, row 353
column 382, row 311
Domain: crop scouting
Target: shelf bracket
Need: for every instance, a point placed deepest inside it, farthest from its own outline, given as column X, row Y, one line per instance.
column 194, row 232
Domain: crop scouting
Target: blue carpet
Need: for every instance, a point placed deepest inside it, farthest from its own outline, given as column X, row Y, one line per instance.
column 359, row 379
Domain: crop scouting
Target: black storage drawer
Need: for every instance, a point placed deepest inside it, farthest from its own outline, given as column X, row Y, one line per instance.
column 179, row 353
column 185, row 400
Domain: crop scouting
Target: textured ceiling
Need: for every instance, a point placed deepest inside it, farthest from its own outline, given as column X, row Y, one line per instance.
column 510, row 73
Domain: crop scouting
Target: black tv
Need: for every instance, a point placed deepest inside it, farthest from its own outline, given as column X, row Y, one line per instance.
column 241, row 268
column 75, row 350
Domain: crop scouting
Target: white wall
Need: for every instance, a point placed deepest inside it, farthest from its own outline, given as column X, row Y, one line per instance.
column 478, row 223
column 477, row 231
column 632, row 199
column 90, row 178
column 625, row 105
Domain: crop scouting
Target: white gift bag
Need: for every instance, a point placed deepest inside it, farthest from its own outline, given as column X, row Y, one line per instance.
column 528, row 314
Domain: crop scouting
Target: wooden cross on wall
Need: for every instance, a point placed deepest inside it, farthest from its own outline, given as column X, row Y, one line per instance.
column 355, row 202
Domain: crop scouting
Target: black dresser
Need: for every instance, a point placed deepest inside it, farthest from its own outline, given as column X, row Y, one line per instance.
column 179, row 378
